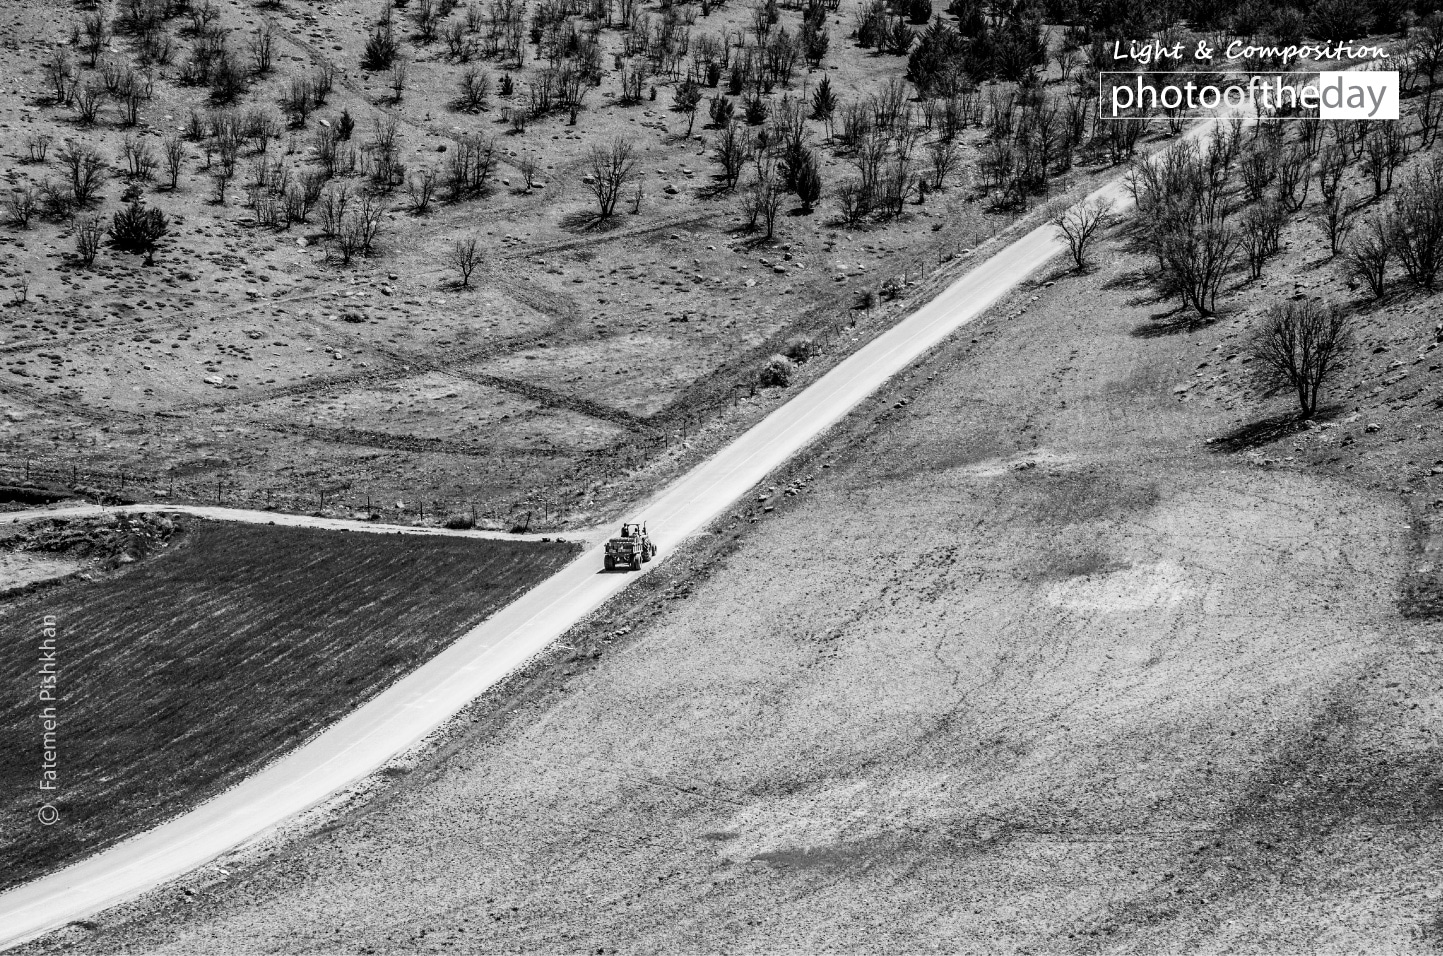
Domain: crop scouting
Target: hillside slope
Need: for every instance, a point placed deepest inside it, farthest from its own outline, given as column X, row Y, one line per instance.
column 1023, row 662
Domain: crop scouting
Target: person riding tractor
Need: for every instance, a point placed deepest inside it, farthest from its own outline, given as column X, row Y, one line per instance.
column 630, row 548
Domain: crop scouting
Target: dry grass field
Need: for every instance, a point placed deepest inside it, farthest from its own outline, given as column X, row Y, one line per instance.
column 250, row 363
column 192, row 668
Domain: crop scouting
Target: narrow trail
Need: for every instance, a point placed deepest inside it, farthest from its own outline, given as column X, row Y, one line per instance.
column 281, row 519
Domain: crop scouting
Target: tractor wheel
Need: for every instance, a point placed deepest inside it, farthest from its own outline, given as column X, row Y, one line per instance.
column 647, row 554
column 610, row 563
column 636, row 562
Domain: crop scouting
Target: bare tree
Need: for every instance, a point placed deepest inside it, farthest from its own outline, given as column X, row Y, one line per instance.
column 400, row 72
column 298, row 100
column 1332, row 163
column 60, row 71
column 218, row 183
column 97, row 35
column 464, row 257
column 422, row 189
column 21, row 205
column 1261, row 235
column 89, row 97
column 139, row 158
column 88, row 231
column 944, row 155
column 528, row 166
column 335, row 201
column 767, row 195
column 1300, row 346
column 263, row 47
column 1198, row 256
column 854, row 200
column 733, row 150
column 612, row 168
column 1367, row 256
column 174, row 149
column 1416, row 225
column 1336, row 217
column 86, row 168
column 474, row 89
column 369, row 213
column 37, row 145
column 1081, row 226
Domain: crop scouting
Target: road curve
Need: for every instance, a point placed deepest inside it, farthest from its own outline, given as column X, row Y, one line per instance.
column 419, row 703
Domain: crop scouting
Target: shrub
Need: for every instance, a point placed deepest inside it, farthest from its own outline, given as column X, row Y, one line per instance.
column 687, row 98
column 22, row 204
column 474, row 88
column 87, row 171
column 458, row 521
column 777, row 373
column 138, row 228
column 381, row 48
column 800, row 349
column 87, row 238
column 808, row 181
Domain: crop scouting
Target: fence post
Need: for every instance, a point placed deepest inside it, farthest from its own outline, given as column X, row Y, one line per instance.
column 217, row 491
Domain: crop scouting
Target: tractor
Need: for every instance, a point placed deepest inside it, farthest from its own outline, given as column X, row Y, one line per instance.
column 630, row 548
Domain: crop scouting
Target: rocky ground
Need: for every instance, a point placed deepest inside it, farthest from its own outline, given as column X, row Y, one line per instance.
column 56, row 548
column 1046, row 649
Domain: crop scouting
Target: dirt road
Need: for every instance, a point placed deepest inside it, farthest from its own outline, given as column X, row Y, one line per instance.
column 247, row 516
column 417, row 705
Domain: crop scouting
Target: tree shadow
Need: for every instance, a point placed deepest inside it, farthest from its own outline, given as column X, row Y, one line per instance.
column 1266, row 431
column 716, row 190
column 1062, row 272
column 589, row 220
column 1130, row 279
column 1174, row 322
